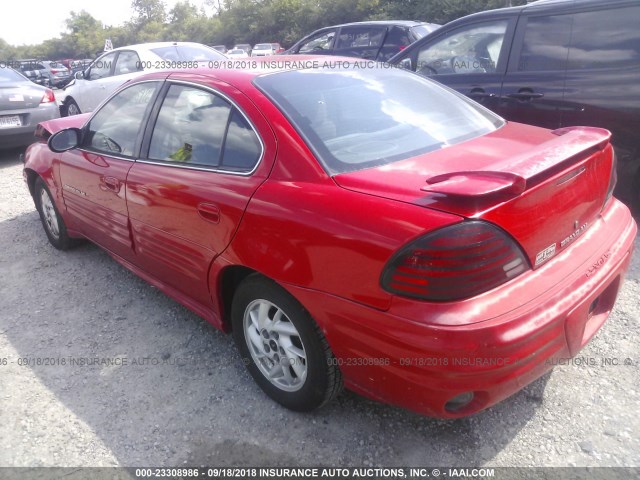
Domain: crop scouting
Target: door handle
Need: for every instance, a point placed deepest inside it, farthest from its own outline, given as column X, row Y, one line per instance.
column 112, row 184
column 209, row 212
column 525, row 95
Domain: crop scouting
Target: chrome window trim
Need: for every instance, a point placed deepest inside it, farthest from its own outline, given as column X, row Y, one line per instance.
column 204, row 167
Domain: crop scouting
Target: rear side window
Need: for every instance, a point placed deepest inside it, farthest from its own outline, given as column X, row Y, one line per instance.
column 196, row 127
column 619, row 48
column 128, row 62
column 396, row 41
column 546, row 43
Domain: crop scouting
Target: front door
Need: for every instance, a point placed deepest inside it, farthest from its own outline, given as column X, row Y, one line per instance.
column 94, row 175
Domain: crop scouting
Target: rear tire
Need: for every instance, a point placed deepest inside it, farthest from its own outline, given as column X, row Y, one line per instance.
column 282, row 347
column 51, row 220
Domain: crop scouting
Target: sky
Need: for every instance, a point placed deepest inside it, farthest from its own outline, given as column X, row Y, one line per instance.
column 26, row 22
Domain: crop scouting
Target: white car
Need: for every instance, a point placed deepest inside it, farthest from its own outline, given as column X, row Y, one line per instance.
column 263, row 49
column 93, row 85
column 237, row 53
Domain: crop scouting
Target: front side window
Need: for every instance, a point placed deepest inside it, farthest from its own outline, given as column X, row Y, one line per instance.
column 546, row 44
column 318, row 43
column 101, row 68
column 114, row 129
column 196, row 127
column 354, row 118
column 620, row 48
column 472, row 49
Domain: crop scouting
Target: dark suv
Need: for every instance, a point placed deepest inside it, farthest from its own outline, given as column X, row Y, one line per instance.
column 370, row 40
column 551, row 63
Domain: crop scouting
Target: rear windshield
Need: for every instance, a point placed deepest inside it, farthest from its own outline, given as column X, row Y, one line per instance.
column 263, row 46
column 7, row 75
column 355, row 117
column 188, row 53
column 422, row 30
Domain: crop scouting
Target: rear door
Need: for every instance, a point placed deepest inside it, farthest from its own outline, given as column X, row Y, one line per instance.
column 603, row 78
column 470, row 58
column 205, row 154
column 533, row 88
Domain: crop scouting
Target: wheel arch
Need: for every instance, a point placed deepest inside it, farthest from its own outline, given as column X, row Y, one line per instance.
column 230, row 278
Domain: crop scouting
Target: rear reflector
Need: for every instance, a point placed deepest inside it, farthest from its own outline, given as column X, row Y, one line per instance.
column 455, row 262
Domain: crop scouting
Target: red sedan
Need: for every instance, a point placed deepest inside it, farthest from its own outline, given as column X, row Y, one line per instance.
column 351, row 225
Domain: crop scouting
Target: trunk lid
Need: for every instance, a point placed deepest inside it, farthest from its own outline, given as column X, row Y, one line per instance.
column 544, row 188
column 20, row 96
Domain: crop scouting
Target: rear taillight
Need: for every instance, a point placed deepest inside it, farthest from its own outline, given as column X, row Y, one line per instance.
column 48, row 96
column 454, row 262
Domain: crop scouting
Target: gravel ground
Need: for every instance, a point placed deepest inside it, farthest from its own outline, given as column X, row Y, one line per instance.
column 189, row 400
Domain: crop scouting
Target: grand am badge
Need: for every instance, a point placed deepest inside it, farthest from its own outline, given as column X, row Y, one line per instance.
column 545, row 254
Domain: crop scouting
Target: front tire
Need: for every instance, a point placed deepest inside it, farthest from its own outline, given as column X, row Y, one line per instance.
column 70, row 108
column 51, row 220
column 282, row 347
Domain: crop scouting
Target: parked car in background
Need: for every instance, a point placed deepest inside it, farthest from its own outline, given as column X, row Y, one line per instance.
column 369, row 40
column 58, row 74
column 550, row 63
column 243, row 46
column 349, row 225
column 91, row 86
column 237, row 53
column 23, row 105
column 33, row 70
column 264, row 49
column 220, row 48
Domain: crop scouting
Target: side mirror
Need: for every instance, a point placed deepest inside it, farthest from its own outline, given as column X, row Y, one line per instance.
column 406, row 64
column 64, row 140
column 79, row 75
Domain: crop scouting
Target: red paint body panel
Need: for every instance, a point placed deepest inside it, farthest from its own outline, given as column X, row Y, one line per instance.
column 93, row 191
column 328, row 239
column 565, row 180
column 494, row 349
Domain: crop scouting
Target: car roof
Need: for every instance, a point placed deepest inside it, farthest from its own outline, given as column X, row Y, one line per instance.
column 403, row 23
column 258, row 67
column 542, row 6
column 152, row 45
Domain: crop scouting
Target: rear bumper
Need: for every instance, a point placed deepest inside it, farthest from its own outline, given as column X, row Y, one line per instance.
column 420, row 355
column 23, row 135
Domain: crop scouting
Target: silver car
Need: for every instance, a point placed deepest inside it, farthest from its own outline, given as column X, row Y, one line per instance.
column 92, row 86
column 23, row 105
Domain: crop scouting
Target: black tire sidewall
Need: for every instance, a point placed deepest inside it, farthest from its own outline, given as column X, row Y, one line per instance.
column 67, row 104
column 314, row 391
column 63, row 241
